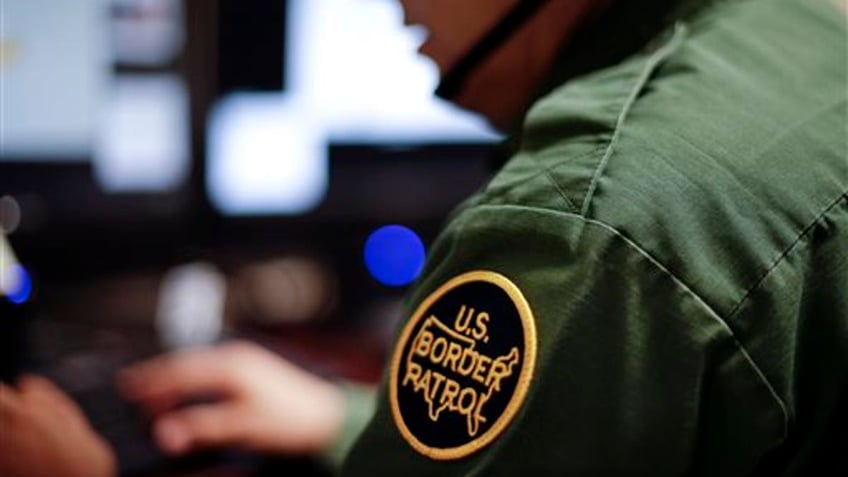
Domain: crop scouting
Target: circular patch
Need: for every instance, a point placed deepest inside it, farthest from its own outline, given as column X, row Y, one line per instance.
column 462, row 365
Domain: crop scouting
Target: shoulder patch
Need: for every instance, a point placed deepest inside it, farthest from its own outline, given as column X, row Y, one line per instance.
column 462, row 366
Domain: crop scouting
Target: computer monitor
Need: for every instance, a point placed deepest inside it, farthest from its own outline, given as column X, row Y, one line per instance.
column 353, row 83
column 95, row 118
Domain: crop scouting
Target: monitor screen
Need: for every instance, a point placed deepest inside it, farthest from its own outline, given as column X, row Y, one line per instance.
column 352, row 77
column 55, row 66
column 65, row 100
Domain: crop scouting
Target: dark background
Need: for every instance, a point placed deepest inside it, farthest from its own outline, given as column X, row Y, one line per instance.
column 97, row 258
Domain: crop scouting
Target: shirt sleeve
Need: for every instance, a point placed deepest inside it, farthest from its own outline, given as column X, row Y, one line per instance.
column 359, row 407
column 633, row 374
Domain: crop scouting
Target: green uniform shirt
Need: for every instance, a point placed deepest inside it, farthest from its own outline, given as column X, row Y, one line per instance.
column 657, row 281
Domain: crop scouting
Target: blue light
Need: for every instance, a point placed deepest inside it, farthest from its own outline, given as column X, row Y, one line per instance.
column 22, row 292
column 394, row 255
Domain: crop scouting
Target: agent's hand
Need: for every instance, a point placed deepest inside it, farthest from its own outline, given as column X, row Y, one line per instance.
column 266, row 403
column 43, row 434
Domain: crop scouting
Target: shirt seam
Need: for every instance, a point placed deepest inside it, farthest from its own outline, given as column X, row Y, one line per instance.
column 785, row 253
column 683, row 286
column 541, row 170
column 546, row 170
column 680, row 31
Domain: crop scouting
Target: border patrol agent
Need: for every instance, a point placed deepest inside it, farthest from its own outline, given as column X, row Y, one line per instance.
column 657, row 281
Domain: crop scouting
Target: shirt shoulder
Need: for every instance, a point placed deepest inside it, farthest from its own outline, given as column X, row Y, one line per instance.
column 712, row 150
column 722, row 155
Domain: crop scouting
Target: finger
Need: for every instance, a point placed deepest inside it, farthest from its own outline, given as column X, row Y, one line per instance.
column 174, row 377
column 42, row 389
column 42, row 392
column 199, row 427
column 34, row 385
column 9, row 398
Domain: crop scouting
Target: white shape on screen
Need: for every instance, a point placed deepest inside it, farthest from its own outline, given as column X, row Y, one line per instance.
column 142, row 141
column 353, row 77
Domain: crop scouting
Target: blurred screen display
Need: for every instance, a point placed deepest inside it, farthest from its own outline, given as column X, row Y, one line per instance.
column 62, row 100
column 55, row 63
column 352, row 77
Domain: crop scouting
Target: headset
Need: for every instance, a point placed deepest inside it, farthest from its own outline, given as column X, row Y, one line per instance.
column 452, row 82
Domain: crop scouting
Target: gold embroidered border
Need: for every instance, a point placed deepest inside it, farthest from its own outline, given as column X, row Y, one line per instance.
column 520, row 392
